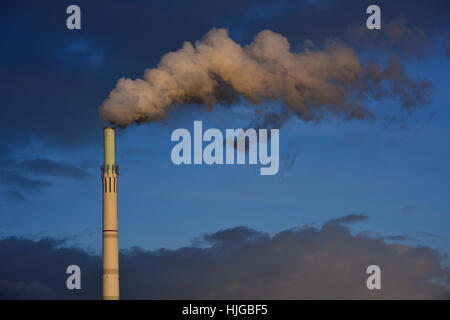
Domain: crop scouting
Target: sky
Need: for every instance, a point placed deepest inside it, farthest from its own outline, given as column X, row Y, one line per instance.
column 349, row 191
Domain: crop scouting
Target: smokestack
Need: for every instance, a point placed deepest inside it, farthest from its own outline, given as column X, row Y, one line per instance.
column 110, row 173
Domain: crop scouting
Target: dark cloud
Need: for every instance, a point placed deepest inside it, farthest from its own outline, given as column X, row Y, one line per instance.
column 414, row 237
column 397, row 238
column 237, row 263
column 18, row 180
column 429, row 235
column 37, row 270
column 54, row 168
column 350, row 218
column 233, row 235
column 20, row 176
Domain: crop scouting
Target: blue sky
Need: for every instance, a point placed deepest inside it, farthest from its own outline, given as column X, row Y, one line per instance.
column 393, row 169
column 397, row 175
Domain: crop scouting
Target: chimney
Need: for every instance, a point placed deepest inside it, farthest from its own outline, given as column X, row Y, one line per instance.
column 110, row 173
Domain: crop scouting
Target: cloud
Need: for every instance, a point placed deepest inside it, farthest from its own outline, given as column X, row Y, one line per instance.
column 20, row 176
column 237, row 263
column 397, row 238
column 17, row 179
column 53, row 168
column 349, row 219
column 233, row 235
column 415, row 237
column 37, row 270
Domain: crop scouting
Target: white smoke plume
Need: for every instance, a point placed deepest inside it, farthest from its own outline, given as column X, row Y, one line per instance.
column 216, row 69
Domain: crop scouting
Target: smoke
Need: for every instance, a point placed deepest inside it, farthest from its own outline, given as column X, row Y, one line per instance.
column 311, row 83
column 395, row 36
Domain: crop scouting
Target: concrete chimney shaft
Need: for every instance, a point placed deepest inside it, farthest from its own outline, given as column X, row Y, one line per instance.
column 110, row 175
